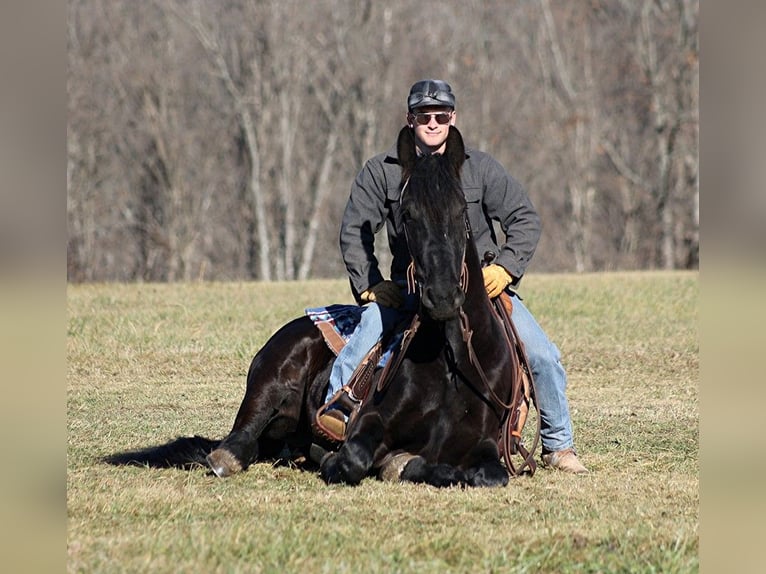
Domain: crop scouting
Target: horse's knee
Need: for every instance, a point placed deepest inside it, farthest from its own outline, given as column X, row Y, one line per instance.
column 489, row 473
column 223, row 463
column 349, row 465
column 486, row 468
column 340, row 468
column 355, row 458
column 415, row 470
column 329, row 470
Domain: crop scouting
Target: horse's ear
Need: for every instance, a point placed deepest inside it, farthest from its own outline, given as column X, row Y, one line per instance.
column 405, row 149
column 455, row 151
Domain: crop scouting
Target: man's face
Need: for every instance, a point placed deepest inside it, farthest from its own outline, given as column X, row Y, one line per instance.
column 431, row 125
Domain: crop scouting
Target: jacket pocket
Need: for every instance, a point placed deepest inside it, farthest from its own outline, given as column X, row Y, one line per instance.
column 476, row 216
column 472, row 193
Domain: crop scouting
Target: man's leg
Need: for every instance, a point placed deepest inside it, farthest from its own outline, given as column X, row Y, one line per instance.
column 550, row 385
column 375, row 321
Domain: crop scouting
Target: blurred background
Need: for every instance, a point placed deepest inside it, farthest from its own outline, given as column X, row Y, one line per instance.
column 219, row 140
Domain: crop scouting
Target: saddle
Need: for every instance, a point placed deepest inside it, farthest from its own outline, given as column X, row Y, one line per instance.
column 352, row 395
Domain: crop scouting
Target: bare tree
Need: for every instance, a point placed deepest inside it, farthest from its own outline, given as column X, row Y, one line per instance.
column 569, row 87
column 219, row 140
column 236, row 87
column 664, row 168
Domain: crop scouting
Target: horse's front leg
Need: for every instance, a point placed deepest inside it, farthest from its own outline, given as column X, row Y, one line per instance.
column 355, row 458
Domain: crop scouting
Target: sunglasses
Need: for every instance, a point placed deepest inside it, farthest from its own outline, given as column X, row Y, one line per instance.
column 424, row 118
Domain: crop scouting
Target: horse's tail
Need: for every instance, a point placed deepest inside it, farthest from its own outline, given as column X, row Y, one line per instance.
column 183, row 452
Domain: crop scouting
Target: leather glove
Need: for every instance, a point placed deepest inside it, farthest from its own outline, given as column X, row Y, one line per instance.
column 496, row 278
column 386, row 293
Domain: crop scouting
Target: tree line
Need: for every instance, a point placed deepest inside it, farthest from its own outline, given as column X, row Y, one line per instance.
column 219, row 140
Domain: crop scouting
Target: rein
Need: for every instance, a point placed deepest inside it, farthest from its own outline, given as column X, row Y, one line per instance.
column 467, row 332
column 515, row 412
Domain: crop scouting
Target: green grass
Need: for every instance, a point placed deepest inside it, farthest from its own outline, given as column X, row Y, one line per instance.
column 147, row 363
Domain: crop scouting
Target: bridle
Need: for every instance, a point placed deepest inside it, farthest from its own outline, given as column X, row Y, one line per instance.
column 412, row 283
column 465, row 327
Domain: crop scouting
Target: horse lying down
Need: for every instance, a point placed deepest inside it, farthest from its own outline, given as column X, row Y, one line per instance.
column 438, row 418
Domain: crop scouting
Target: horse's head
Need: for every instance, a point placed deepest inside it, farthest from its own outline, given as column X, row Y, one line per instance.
column 435, row 222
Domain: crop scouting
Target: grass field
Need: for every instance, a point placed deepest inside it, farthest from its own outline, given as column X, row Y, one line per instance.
column 147, row 363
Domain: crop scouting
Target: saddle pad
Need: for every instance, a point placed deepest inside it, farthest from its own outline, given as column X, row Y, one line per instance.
column 337, row 324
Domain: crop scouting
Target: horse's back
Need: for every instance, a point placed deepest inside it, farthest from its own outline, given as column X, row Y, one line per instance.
column 294, row 351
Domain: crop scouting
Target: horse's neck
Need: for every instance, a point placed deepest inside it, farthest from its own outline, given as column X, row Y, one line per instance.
column 477, row 309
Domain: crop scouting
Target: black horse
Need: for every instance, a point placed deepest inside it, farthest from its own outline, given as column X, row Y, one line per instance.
column 438, row 420
column 438, row 417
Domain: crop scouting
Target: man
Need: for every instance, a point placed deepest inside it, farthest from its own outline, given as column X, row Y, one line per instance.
column 492, row 194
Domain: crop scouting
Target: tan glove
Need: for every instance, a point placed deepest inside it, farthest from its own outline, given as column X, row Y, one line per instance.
column 386, row 293
column 496, row 278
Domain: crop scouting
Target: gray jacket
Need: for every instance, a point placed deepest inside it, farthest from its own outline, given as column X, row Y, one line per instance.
column 490, row 191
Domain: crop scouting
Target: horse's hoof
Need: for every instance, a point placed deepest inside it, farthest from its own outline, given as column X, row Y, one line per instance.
column 331, row 469
column 318, row 454
column 223, row 463
column 392, row 467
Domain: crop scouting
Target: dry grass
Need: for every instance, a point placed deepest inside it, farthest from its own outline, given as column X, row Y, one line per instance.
column 147, row 363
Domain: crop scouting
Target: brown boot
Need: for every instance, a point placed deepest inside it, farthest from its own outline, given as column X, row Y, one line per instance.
column 334, row 421
column 564, row 460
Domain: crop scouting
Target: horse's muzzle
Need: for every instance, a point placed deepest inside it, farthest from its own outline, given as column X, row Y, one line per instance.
column 442, row 304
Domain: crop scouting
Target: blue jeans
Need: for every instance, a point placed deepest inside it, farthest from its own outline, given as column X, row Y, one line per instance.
column 544, row 360
column 550, row 380
column 376, row 321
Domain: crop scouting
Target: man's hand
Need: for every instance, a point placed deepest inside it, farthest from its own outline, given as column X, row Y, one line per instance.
column 386, row 293
column 496, row 278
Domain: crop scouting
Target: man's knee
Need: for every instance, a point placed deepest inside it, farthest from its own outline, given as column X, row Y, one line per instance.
column 543, row 354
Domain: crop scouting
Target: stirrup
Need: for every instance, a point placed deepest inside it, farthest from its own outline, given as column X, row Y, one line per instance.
column 346, row 403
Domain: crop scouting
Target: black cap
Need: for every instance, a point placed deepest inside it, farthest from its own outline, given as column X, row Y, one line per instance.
column 430, row 93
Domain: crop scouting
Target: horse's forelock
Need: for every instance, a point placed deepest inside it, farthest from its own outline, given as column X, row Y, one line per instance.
column 434, row 207
column 455, row 150
column 434, row 188
column 406, row 149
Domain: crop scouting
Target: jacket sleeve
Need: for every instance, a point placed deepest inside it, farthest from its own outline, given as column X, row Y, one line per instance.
column 506, row 201
column 363, row 217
